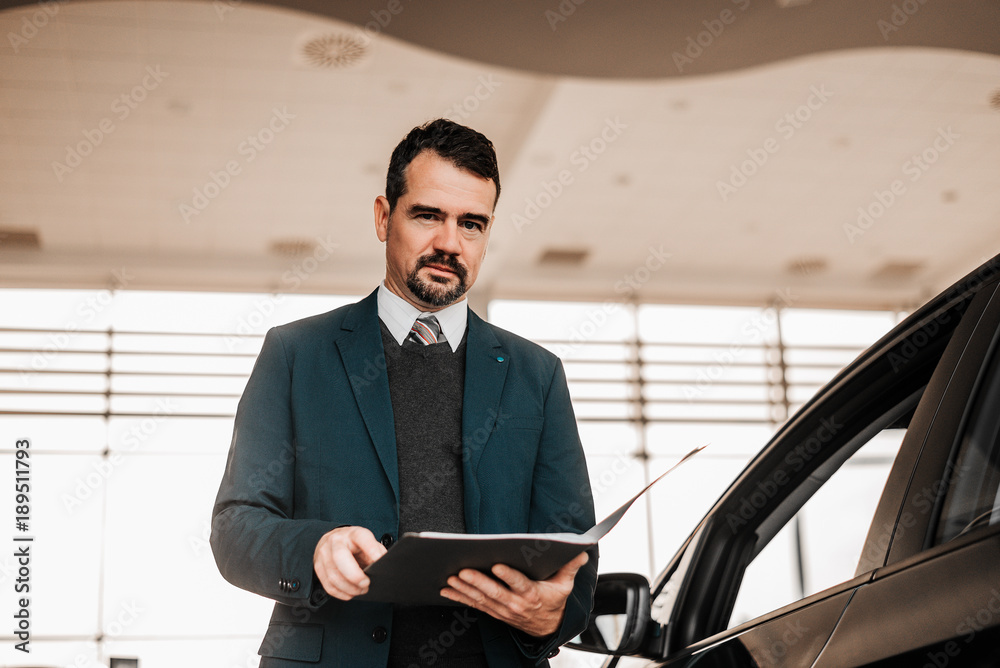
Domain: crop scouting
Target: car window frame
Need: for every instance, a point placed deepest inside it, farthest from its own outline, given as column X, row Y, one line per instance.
column 692, row 596
column 951, row 423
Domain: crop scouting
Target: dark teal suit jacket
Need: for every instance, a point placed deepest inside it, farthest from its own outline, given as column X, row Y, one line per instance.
column 314, row 448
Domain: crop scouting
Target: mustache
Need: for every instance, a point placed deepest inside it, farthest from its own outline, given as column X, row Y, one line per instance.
column 448, row 261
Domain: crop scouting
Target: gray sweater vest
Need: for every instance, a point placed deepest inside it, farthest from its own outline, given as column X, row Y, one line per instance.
column 426, row 384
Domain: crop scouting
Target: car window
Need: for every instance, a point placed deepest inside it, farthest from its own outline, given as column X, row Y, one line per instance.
column 817, row 508
column 822, row 543
column 973, row 475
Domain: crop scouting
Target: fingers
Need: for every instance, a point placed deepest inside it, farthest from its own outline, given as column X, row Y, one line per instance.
column 563, row 578
column 339, row 560
column 479, row 591
column 535, row 607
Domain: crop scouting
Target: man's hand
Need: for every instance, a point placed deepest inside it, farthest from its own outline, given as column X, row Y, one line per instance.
column 533, row 606
column 339, row 558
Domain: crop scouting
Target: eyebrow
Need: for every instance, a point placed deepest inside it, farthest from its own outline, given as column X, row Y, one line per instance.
column 423, row 208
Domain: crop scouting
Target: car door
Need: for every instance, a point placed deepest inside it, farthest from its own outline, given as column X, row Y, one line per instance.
column 899, row 393
column 936, row 601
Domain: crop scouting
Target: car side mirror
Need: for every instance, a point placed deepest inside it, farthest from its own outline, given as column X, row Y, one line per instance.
column 620, row 617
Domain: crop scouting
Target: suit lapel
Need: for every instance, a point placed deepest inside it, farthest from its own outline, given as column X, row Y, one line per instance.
column 364, row 360
column 486, row 364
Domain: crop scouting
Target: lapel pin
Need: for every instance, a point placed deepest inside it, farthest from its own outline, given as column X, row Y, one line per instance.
column 499, row 359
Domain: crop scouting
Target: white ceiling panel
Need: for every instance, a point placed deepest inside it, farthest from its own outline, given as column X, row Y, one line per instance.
column 143, row 135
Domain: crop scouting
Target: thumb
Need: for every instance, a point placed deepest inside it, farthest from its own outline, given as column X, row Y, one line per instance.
column 568, row 572
column 366, row 548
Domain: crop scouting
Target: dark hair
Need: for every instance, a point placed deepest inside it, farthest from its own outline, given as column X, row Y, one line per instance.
column 463, row 147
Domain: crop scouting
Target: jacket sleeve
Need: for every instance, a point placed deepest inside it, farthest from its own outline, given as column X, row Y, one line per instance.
column 562, row 501
column 258, row 544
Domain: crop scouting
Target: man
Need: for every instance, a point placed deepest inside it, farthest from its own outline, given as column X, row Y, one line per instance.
column 363, row 423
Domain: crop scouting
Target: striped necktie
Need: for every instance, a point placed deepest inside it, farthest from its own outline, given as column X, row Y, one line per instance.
column 426, row 330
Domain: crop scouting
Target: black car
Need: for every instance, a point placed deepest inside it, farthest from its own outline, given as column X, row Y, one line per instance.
column 922, row 579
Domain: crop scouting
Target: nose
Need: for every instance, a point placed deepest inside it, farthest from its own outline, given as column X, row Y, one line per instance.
column 448, row 239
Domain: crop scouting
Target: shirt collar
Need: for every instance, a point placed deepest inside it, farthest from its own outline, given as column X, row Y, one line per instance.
column 399, row 314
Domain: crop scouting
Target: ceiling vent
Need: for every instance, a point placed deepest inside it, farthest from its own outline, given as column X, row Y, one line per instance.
column 898, row 270
column 19, row 240
column 333, row 50
column 292, row 247
column 563, row 257
column 995, row 100
column 806, row 266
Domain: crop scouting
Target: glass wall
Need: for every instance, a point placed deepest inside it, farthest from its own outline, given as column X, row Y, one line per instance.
column 127, row 401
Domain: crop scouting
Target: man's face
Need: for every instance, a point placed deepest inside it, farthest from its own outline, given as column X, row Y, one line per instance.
column 436, row 238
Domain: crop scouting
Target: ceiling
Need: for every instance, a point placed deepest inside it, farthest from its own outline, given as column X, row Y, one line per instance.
column 741, row 151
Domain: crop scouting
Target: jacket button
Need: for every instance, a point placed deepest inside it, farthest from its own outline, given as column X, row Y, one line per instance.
column 293, row 585
column 387, row 540
column 379, row 634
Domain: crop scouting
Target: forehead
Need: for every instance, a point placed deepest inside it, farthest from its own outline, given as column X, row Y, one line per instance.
column 435, row 181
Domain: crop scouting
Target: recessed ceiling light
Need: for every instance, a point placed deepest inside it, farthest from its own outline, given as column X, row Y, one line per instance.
column 564, row 256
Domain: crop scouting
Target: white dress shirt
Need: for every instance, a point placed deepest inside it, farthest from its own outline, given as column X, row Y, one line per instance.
column 399, row 316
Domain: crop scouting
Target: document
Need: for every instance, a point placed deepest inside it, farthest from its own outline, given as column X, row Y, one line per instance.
column 417, row 567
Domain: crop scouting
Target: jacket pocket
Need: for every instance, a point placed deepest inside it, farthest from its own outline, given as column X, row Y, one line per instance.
column 298, row 642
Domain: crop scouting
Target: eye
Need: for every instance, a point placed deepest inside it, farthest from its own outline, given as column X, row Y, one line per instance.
column 472, row 225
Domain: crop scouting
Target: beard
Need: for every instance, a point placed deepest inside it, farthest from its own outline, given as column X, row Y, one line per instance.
column 435, row 290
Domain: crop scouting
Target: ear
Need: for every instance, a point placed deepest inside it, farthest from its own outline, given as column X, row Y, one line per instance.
column 381, row 218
